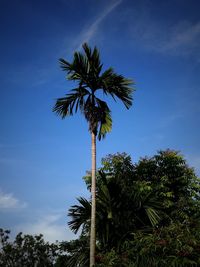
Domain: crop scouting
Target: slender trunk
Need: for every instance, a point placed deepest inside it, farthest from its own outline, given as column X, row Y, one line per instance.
column 93, row 210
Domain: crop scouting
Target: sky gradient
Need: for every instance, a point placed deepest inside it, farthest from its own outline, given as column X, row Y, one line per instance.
column 43, row 158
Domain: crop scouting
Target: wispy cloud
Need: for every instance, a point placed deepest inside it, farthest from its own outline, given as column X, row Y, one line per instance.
column 181, row 38
column 89, row 33
column 50, row 225
column 9, row 202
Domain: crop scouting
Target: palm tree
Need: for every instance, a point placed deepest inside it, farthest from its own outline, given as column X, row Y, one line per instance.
column 86, row 70
column 122, row 212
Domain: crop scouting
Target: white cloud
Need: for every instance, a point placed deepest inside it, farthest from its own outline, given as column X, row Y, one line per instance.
column 50, row 225
column 88, row 34
column 9, row 202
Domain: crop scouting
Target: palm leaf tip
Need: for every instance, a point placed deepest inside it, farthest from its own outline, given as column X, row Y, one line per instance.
column 64, row 64
column 87, row 49
column 61, row 108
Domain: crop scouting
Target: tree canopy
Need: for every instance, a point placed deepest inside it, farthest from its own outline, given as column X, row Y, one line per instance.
column 147, row 212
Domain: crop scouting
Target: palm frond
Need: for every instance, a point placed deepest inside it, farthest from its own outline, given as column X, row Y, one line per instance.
column 78, row 252
column 93, row 59
column 153, row 208
column 152, row 215
column 77, row 70
column 117, row 86
column 71, row 102
column 80, row 215
column 87, row 50
column 65, row 65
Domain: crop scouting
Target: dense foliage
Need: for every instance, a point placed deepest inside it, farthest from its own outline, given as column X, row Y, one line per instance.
column 147, row 215
column 26, row 250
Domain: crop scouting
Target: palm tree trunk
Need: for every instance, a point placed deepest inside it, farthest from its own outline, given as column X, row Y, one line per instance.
column 93, row 210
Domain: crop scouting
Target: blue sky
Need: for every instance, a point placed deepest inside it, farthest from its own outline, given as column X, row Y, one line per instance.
column 43, row 158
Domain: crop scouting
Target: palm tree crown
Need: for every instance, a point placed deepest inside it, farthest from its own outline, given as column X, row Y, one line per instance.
column 86, row 70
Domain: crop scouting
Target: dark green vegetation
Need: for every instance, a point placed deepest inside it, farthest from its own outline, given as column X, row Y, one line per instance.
column 26, row 251
column 147, row 215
